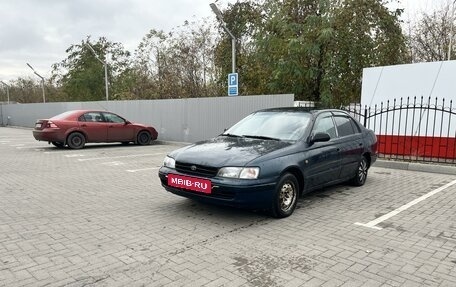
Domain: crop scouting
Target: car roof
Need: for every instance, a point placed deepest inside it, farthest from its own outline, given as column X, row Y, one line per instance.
column 72, row 113
column 85, row 111
column 300, row 110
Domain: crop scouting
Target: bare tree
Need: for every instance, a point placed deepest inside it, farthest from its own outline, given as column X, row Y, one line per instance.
column 430, row 36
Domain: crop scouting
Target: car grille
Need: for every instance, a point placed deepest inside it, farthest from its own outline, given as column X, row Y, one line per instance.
column 198, row 170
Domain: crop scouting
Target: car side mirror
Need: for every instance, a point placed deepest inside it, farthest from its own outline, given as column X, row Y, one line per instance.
column 127, row 122
column 320, row 137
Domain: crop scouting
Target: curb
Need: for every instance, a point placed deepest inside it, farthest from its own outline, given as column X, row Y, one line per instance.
column 423, row 167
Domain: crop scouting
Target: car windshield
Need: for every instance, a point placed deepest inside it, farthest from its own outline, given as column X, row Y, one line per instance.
column 62, row 116
column 271, row 125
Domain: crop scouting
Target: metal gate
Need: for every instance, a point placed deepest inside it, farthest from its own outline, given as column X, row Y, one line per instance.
column 412, row 129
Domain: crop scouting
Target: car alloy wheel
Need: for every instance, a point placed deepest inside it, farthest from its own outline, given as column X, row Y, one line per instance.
column 286, row 196
column 361, row 172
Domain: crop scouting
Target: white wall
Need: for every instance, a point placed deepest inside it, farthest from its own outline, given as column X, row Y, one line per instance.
column 434, row 79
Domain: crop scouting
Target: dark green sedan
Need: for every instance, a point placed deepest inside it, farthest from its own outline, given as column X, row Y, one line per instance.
column 271, row 157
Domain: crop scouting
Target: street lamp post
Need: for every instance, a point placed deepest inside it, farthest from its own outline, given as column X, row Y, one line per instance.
column 451, row 32
column 7, row 91
column 233, row 39
column 105, row 69
column 42, row 81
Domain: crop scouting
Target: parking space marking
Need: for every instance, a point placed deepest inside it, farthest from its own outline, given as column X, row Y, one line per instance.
column 74, row 155
column 373, row 224
column 113, row 163
column 142, row 169
column 25, row 147
column 52, row 152
column 120, row 156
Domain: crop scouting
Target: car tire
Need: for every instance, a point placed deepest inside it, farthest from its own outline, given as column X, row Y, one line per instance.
column 361, row 172
column 76, row 140
column 285, row 196
column 143, row 138
column 58, row 144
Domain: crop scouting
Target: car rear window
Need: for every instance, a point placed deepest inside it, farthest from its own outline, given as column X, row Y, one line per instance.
column 63, row 115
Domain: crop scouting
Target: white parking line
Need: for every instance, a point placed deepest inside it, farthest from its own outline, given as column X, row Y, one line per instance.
column 142, row 169
column 120, row 156
column 25, row 147
column 373, row 223
column 74, row 155
column 113, row 163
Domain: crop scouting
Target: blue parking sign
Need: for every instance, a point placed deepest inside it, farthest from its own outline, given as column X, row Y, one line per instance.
column 233, row 84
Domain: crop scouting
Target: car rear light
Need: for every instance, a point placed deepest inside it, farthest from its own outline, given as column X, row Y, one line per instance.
column 50, row 125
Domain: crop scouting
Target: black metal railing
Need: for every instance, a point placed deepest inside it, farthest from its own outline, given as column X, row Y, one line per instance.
column 412, row 129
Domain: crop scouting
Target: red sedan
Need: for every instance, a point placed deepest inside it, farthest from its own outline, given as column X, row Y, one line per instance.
column 76, row 128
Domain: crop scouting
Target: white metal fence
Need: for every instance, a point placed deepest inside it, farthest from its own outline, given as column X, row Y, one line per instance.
column 184, row 120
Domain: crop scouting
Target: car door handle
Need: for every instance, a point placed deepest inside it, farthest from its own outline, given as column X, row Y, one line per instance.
column 110, row 126
column 83, row 126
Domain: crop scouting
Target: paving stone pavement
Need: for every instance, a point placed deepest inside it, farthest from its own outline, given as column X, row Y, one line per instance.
column 99, row 217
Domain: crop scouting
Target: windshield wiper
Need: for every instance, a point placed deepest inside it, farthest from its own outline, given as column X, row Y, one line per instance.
column 261, row 137
column 232, row 135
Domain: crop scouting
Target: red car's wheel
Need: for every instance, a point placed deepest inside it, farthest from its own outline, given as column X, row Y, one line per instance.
column 76, row 140
column 143, row 138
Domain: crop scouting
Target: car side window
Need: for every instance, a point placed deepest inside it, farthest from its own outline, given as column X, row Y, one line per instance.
column 324, row 124
column 91, row 117
column 112, row 118
column 344, row 126
column 355, row 125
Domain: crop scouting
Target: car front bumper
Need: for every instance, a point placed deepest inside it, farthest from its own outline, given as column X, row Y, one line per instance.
column 242, row 193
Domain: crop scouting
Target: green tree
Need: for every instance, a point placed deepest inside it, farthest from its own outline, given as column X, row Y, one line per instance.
column 366, row 34
column 81, row 75
column 298, row 33
column 315, row 49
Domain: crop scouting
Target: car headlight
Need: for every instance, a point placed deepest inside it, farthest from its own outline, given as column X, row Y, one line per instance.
column 239, row 172
column 169, row 162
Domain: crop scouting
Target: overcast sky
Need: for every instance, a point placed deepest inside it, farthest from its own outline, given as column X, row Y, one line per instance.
column 39, row 31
